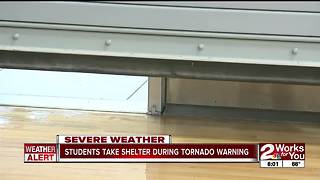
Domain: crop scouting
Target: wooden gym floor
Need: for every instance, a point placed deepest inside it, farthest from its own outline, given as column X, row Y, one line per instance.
column 19, row 125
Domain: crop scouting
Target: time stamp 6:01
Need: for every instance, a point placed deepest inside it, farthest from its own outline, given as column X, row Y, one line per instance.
column 282, row 163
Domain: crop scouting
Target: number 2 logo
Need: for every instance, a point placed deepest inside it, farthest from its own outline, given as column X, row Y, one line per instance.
column 267, row 153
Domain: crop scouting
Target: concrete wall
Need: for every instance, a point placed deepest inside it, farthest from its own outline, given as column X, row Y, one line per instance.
column 243, row 94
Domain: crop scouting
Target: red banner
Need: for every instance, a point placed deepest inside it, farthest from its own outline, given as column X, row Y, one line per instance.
column 159, row 152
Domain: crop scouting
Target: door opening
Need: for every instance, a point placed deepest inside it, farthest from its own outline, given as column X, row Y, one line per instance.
column 73, row 90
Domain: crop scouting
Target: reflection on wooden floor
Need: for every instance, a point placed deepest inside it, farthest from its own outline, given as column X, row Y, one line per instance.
column 19, row 125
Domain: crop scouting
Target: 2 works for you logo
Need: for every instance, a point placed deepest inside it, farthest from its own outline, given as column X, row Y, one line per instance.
column 282, row 154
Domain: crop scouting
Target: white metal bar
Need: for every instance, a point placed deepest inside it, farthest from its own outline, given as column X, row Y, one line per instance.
column 166, row 18
column 158, row 32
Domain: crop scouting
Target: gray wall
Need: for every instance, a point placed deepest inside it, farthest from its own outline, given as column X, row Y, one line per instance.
column 243, row 94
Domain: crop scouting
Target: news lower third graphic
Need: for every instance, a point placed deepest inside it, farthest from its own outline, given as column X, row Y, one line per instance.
column 282, row 155
column 159, row 148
